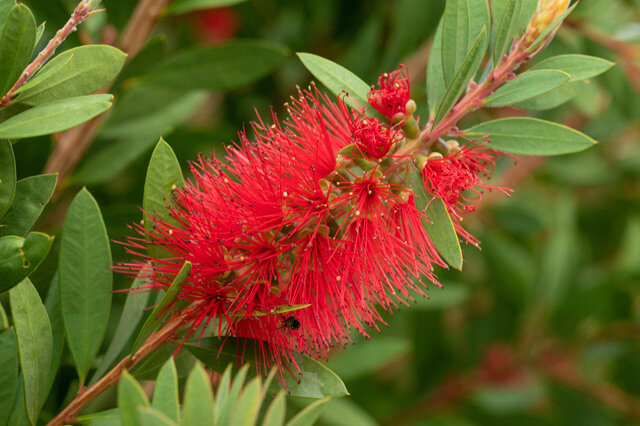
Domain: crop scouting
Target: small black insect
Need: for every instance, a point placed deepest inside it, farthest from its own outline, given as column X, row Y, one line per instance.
column 291, row 323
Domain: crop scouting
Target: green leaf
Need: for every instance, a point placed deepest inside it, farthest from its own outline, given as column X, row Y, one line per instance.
column 75, row 72
column 310, row 414
column 34, row 345
column 54, row 116
column 462, row 23
column 165, row 395
column 276, row 412
column 198, row 399
column 32, row 194
column 9, row 376
column 103, row 418
column 247, row 407
column 129, row 322
column 16, row 45
column 531, row 136
column 5, row 8
column 436, row 86
column 86, row 279
column 163, row 175
column 39, row 33
column 280, row 309
column 442, row 298
column 130, row 397
column 151, row 417
column 7, row 179
column 227, row 67
column 160, row 311
column 183, row 6
column 232, row 396
column 337, row 78
column 221, row 407
column 579, row 67
column 527, row 86
column 315, row 380
column 54, row 311
column 506, row 29
column 345, row 411
column 554, row 98
column 19, row 257
column 440, row 230
column 462, row 76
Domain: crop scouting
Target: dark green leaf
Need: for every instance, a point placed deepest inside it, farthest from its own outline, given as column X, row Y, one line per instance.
column 184, row 6
column 198, row 399
column 462, row 76
column 531, row 136
column 436, row 86
column 34, row 345
column 310, row 414
column 130, row 397
column 7, row 179
column 579, row 67
column 32, row 194
column 227, row 67
column 5, row 8
column 54, row 311
column 54, row 116
column 165, row 394
column 17, row 40
column 19, row 257
column 527, row 86
column 442, row 298
column 362, row 360
column 75, row 72
column 276, row 412
column 9, row 376
column 163, row 176
column 160, row 311
column 506, row 29
column 86, row 279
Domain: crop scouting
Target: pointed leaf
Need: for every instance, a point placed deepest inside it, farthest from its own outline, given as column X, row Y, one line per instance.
column 276, row 412
column 506, row 29
column 579, row 67
column 7, row 179
column 34, row 345
column 198, row 399
column 130, row 398
column 527, row 86
column 531, row 136
column 19, row 257
column 54, row 116
column 152, row 417
column 247, row 408
column 436, row 86
column 32, row 194
column 165, row 395
column 54, row 311
column 222, row 395
column 17, row 40
column 310, row 414
column 9, row 376
column 86, row 279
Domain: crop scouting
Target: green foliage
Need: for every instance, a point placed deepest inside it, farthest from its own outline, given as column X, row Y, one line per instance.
column 21, row 256
column 527, row 86
column 32, row 194
column 16, row 44
column 7, row 177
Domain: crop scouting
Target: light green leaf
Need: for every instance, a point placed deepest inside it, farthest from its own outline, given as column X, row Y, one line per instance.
column 165, row 395
column 7, row 179
column 276, row 412
column 34, row 345
column 436, row 86
column 160, row 311
column 462, row 23
column 39, row 33
column 337, row 78
column 19, row 257
column 579, row 67
column 17, row 40
column 9, row 376
column 75, row 72
column 86, row 279
column 310, row 414
column 183, row 6
column 151, row 417
column 221, row 407
column 280, row 309
column 132, row 313
column 227, row 67
column 32, row 194
column 130, row 397
column 531, row 136
column 462, row 76
column 556, row 97
column 344, row 411
column 163, row 175
column 247, row 407
column 506, row 29
column 527, row 86
column 103, row 418
column 198, row 399
column 54, row 116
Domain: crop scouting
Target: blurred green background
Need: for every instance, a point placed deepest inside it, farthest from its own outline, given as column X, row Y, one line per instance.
column 542, row 326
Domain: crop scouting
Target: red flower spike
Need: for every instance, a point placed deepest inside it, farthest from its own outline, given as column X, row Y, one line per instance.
column 393, row 93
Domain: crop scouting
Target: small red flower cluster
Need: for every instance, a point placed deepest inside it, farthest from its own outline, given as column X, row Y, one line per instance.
column 290, row 219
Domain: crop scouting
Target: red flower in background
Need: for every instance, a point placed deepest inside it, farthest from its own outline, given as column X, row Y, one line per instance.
column 217, row 24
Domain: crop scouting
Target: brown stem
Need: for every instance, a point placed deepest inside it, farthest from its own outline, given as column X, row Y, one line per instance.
column 112, row 377
column 73, row 143
column 81, row 12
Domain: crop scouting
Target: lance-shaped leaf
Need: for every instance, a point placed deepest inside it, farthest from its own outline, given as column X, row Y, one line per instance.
column 75, row 72
column 276, row 412
column 198, row 399
column 54, row 311
column 17, row 40
column 32, row 194
column 436, row 86
column 85, row 279
column 281, row 309
column 163, row 175
column 248, row 405
column 579, row 67
column 7, row 179
column 309, row 414
column 130, row 397
column 315, row 380
column 184, row 6
column 19, row 257
column 33, row 331
column 9, row 376
column 531, row 136
column 441, row 229
column 506, row 29
column 161, row 309
column 54, row 116
column 527, row 86
column 165, row 394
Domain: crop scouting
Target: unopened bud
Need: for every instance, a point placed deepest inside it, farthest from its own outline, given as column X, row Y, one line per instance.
column 411, row 107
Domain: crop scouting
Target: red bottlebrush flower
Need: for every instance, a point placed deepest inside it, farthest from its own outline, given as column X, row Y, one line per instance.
column 217, row 24
column 393, row 93
column 371, row 137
